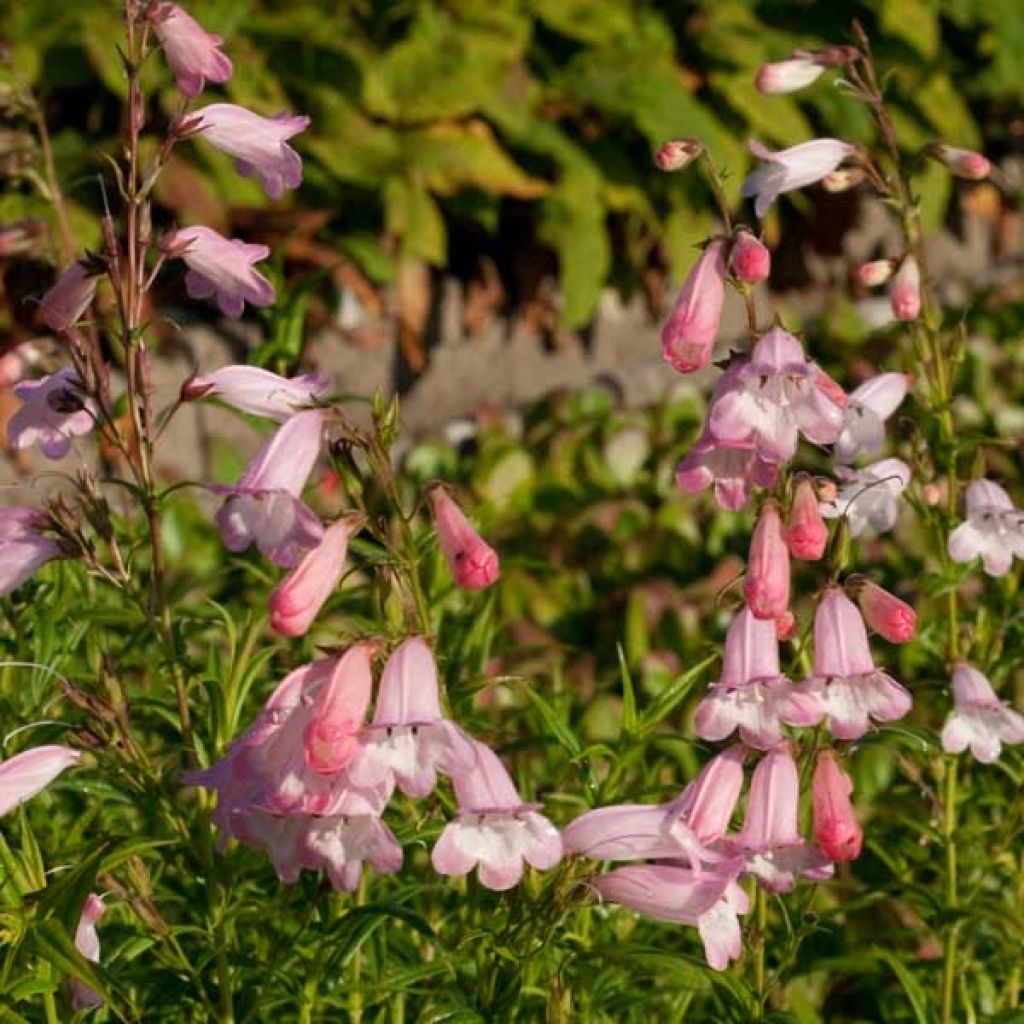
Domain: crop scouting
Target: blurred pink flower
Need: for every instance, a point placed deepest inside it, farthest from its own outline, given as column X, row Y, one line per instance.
column 495, row 830
column 87, row 942
column 836, row 830
column 766, row 583
column 221, row 267
column 473, row 563
column 676, row 154
column 867, row 409
column 869, row 497
column 750, row 259
column 55, row 411
column 23, row 549
column 788, row 75
column 993, row 532
column 192, row 54
column 964, row 163
column 979, row 719
column 886, row 614
column 258, row 144
column 689, row 333
column 874, row 273
column 31, row 771
column 258, row 392
column 793, row 168
column 65, row 303
column 905, row 290
column 806, row 532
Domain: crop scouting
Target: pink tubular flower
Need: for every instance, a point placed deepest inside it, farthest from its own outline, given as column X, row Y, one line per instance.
column 708, row 901
column 192, row 54
column 750, row 259
column 752, row 694
column 473, row 562
column 707, row 803
column 806, row 532
column 993, row 532
column 339, row 712
column 886, row 614
column 905, row 290
column 676, row 154
column 964, row 163
column 867, row 409
column 875, row 273
column 341, row 843
column 792, row 168
column 65, row 303
column 264, row 506
column 770, row 841
column 54, row 412
column 221, row 266
column 788, row 75
column 257, row 391
column 835, row 827
column 495, row 829
column 298, row 598
column 30, row 772
column 851, row 690
column 87, row 942
column 409, row 739
column 869, row 496
column 23, row 549
column 979, row 718
column 774, row 397
column 766, row 585
column 258, row 144
column 689, row 333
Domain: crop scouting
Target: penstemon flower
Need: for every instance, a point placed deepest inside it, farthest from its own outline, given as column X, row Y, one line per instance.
column 257, row 391
column 690, row 331
column 993, row 532
column 806, row 532
column 87, row 942
column 766, row 584
column 66, row 302
column 788, row 75
column 867, row 409
column 905, row 290
column 31, row 771
column 869, row 497
column 788, row 169
column 979, row 719
column 836, row 830
column 749, row 258
column 54, row 413
column 192, row 54
column 473, row 562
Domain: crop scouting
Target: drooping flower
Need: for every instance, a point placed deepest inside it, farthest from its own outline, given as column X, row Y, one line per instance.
column 885, row 613
column 788, row 75
column 690, row 331
column 495, row 830
column 993, row 532
column 806, row 532
column 774, row 397
column 752, row 694
column 732, row 470
column 258, row 144
column 66, row 302
column 31, row 771
column 869, row 496
column 263, row 508
column 257, row 391
column 750, row 259
column 850, row 689
column 707, row 803
column 473, row 562
column 964, row 163
column 23, row 549
column 708, row 901
column 979, row 719
column 341, row 843
column 87, row 942
column 867, row 409
column 766, row 583
column 221, row 267
column 905, row 290
column 192, row 54
column 836, row 830
column 676, row 154
column 55, row 411
column 409, row 739
column 793, row 168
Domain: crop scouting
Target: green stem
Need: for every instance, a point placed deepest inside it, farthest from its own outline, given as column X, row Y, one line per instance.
column 760, row 973
column 50, row 1008
column 952, row 895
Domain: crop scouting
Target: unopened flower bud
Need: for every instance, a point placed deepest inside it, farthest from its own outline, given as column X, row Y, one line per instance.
column 905, row 291
column 473, row 562
column 931, row 494
column 964, row 163
column 785, row 626
column 835, row 828
column 788, row 75
column 750, row 259
column 875, row 273
column 676, row 154
column 766, row 586
column 806, row 534
column 886, row 614
column 844, row 179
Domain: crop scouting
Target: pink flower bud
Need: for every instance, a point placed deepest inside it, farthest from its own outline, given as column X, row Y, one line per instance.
column 750, row 259
column 905, row 292
column 63, row 305
column 785, row 626
column 806, row 534
column 843, row 180
column 331, row 737
column 766, row 586
column 872, row 274
column 473, row 562
column 676, row 154
column 964, row 163
column 835, row 827
column 788, row 75
column 87, row 942
column 689, row 334
column 885, row 614
column 192, row 54
column 931, row 494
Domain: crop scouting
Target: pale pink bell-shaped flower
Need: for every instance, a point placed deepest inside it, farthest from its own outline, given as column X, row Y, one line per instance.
column 874, row 273
column 752, row 694
column 964, row 163
column 793, row 168
column 341, row 843
column 788, row 75
column 31, row 771
column 495, row 830
column 473, row 562
column 676, row 154
column 66, row 302
column 867, row 409
column 298, row 598
column 905, row 290
column 258, row 144
column 409, row 739
column 979, row 719
column 769, row 841
column 869, row 497
column 885, row 613
column 993, row 532
column 257, row 391
column 339, row 712
column 750, row 259
column 851, row 690
column 707, row 803
column 192, row 54
column 766, row 583
column 836, row 830
column 23, row 549
column 87, row 942
column 690, row 331
column 221, row 267
column 707, row 901
column 263, row 508
column 774, row 397
column 55, row 411
column 806, row 532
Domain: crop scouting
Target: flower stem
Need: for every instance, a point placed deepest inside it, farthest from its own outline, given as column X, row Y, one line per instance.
column 952, row 896
column 760, row 973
